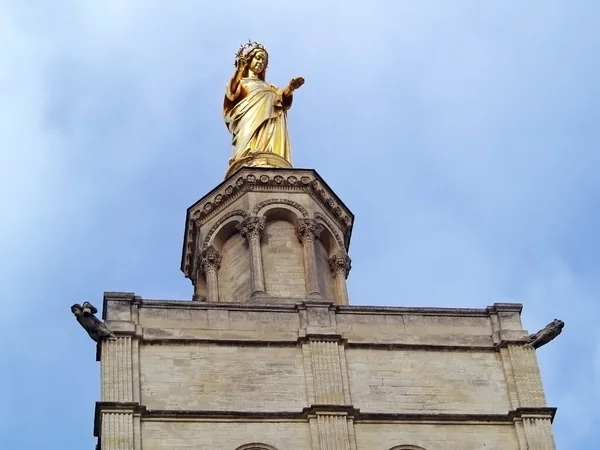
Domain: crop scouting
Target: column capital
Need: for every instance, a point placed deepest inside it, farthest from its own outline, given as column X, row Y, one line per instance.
column 308, row 230
column 252, row 227
column 340, row 264
column 210, row 260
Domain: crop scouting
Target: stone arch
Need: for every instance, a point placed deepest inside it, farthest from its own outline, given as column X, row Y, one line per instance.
column 256, row 447
column 407, row 447
column 281, row 203
column 332, row 242
column 282, row 251
column 224, row 228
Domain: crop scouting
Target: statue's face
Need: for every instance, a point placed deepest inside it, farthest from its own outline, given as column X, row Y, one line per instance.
column 258, row 63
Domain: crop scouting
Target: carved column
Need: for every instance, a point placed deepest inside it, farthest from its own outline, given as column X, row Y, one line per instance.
column 308, row 230
column 251, row 229
column 340, row 266
column 210, row 262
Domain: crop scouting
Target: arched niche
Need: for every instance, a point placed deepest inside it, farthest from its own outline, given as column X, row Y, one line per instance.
column 325, row 247
column 234, row 277
column 282, row 252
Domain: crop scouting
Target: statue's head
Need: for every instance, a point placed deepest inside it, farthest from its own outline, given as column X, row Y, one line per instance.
column 76, row 310
column 558, row 324
column 88, row 309
column 257, row 57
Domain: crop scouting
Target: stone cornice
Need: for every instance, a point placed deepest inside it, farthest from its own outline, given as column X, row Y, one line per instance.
column 272, row 305
column 348, row 410
column 257, row 179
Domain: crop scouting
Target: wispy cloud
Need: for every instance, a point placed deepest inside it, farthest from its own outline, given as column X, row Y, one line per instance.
column 463, row 136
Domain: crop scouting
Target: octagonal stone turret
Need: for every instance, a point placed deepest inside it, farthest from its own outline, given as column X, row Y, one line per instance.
column 268, row 234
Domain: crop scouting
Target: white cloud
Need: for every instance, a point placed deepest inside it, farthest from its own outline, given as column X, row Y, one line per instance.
column 452, row 129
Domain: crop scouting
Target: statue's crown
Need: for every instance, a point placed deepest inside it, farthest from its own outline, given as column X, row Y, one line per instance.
column 247, row 48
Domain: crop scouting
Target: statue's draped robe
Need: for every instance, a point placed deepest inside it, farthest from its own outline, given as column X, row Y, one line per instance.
column 256, row 116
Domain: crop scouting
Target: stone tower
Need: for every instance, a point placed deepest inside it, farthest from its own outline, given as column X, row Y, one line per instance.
column 269, row 355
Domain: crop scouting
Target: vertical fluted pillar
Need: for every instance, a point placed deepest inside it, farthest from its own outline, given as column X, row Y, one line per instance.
column 340, row 266
column 117, row 370
column 118, row 430
column 538, row 432
column 308, row 230
column 527, row 376
column 332, row 431
column 210, row 263
column 251, row 229
column 534, row 424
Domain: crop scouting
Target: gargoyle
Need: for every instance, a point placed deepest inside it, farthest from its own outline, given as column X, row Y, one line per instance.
column 84, row 314
column 545, row 335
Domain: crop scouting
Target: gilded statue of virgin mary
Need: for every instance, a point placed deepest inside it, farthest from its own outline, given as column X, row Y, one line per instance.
column 255, row 112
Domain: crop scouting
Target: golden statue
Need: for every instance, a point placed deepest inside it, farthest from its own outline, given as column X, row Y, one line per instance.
column 255, row 112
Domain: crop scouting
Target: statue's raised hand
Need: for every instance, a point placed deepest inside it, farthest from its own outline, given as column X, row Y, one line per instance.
column 242, row 63
column 295, row 83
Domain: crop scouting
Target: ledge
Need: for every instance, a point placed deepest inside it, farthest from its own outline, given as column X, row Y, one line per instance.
column 272, row 304
column 305, row 414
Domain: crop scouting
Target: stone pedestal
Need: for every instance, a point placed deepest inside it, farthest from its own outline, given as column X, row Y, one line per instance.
column 268, row 233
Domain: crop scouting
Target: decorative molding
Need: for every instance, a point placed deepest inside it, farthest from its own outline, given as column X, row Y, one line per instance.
column 242, row 182
column 252, row 227
column 308, row 230
column 280, row 201
column 347, row 410
column 256, row 179
column 330, row 227
column 340, row 264
column 221, row 221
column 210, row 259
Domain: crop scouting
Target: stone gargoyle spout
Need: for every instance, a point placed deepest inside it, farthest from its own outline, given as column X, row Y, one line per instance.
column 545, row 335
column 84, row 314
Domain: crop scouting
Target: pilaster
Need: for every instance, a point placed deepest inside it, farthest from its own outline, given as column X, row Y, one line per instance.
column 210, row 263
column 534, row 428
column 251, row 229
column 331, row 430
column 117, row 370
column 527, row 376
column 340, row 266
column 326, row 379
column 117, row 417
column 308, row 230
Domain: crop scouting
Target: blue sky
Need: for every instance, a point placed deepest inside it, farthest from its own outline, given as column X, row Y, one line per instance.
column 463, row 135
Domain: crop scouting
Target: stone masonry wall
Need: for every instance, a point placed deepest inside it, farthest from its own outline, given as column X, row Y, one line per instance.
column 423, row 380
column 222, row 378
column 225, row 435
column 312, row 375
column 370, row 436
column 283, row 260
